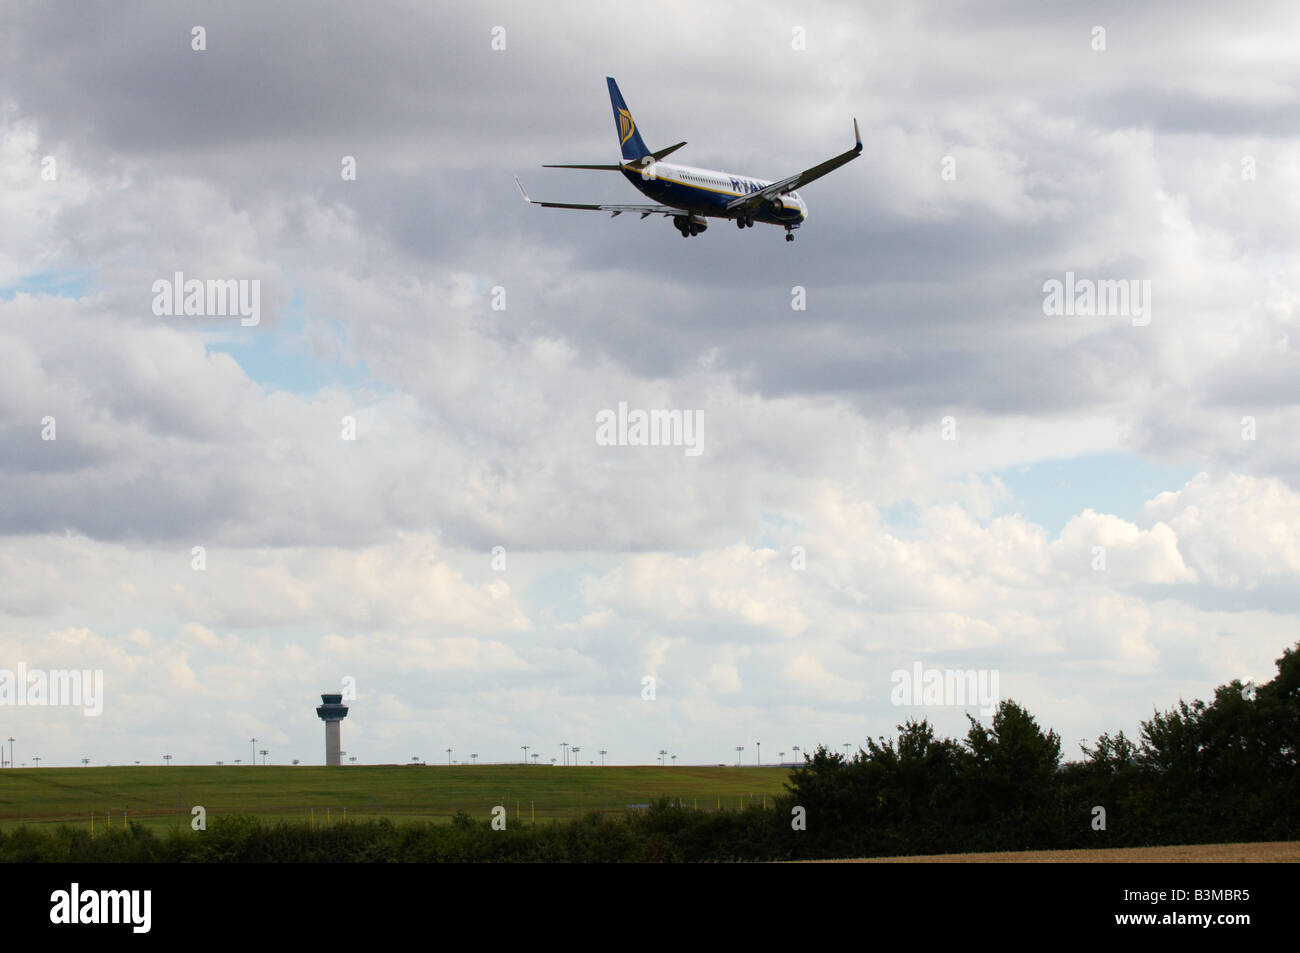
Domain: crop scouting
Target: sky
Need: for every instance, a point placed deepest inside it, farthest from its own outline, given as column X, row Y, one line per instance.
column 393, row 483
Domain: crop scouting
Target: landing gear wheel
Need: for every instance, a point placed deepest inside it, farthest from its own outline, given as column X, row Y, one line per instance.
column 740, row 222
column 789, row 236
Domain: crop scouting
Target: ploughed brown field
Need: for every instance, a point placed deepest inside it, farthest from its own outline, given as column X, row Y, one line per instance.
column 1276, row 852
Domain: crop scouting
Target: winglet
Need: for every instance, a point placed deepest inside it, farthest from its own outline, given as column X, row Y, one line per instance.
column 521, row 190
column 857, row 135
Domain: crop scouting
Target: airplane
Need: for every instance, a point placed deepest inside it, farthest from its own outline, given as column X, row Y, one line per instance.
column 692, row 196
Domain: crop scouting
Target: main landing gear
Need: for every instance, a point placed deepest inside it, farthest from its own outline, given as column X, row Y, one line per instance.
column 744, row 221
column 687, row 227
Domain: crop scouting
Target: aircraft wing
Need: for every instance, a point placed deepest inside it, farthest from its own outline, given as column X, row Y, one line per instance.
column 615, row 210
column 803, row 178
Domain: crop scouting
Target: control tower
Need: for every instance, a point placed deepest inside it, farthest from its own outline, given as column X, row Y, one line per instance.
column 332, row 712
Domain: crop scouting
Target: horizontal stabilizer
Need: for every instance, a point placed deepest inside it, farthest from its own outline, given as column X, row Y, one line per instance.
column 633, row 164
column 662, row 153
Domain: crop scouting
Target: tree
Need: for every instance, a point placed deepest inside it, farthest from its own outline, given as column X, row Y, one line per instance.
column 1227, row 770
column 1011, row 781
column 915, row 780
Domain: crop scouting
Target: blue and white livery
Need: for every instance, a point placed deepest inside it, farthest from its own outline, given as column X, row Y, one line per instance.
column 692, row 196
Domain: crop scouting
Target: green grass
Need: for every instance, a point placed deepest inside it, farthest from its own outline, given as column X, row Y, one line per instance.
column 162, row 797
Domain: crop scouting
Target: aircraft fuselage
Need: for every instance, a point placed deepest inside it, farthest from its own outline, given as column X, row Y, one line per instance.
column 707, row 192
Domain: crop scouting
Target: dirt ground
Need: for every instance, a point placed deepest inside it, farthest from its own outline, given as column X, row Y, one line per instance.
column 1267, row 852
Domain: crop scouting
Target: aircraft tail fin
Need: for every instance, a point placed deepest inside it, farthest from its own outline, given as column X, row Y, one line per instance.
column 629, row 138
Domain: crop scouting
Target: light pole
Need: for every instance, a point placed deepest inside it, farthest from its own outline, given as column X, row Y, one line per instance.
column 781, row 755
column 264, row 753
column 674, row 761
column 535, row 757
column 38, row 761
column 449, row 757
column 167, row 758
column 253, row 742
column 739, row 749
column 352, row 758
column 846, row 750
column 473, row 759
column 11, row 752
column 575, row 750
column 525, row 747
column 85, row 761
column 603, row 752
column 795, row 749
column 759, row 746
column 565, row 745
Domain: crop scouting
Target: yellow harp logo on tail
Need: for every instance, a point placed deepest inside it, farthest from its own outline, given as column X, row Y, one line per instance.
column 625, row 126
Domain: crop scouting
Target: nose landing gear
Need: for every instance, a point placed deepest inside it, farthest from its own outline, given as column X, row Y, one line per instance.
column 789, row 233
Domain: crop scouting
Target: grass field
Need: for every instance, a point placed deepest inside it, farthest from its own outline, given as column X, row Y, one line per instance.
column 161, row 797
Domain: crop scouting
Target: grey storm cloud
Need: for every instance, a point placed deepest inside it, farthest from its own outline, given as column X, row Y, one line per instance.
column 918, row 299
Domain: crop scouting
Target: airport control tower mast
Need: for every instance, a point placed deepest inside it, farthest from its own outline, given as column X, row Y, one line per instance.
column 332, row 712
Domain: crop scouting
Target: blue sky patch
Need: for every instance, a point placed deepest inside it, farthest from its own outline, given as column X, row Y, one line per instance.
column 69, row 284
column 1051, row 492
column 299, row 354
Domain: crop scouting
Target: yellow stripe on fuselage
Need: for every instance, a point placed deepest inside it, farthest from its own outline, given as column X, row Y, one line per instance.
column 692, row 185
